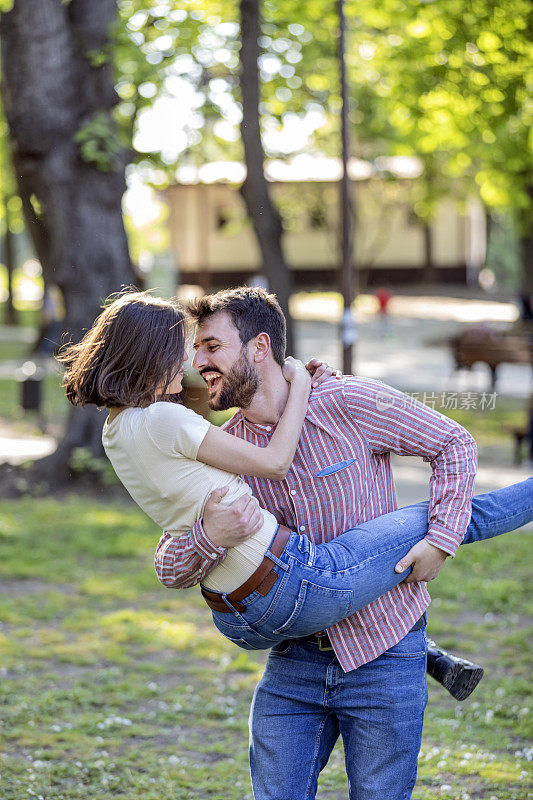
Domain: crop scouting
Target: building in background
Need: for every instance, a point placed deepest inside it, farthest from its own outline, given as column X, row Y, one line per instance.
column 213, row 243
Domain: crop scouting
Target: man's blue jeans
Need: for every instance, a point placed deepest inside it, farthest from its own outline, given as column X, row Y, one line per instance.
column 304, row 700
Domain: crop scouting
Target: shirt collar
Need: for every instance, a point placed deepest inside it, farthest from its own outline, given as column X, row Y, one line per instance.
column 256, row 427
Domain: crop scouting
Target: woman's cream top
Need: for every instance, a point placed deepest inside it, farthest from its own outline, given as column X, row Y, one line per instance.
column 153, row 452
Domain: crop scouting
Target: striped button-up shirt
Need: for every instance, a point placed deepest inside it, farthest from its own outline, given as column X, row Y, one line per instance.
column 341, row 477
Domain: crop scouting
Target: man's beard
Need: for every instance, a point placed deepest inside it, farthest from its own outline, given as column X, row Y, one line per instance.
column 238, row 386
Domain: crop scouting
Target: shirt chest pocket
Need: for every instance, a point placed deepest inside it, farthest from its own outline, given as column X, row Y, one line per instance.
column 331, row 469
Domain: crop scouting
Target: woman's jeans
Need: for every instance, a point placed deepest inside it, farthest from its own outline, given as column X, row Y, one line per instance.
column 319, row 585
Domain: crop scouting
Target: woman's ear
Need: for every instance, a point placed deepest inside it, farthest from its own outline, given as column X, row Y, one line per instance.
column 261, row 347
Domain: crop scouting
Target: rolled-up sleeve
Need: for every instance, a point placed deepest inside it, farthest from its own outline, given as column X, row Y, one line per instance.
column 394, row 422
column 183, row 562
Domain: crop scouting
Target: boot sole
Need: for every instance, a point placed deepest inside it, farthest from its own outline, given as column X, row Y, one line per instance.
column 461, row 680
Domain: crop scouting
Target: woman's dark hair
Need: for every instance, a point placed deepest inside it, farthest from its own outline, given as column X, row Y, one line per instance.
column 133, row 351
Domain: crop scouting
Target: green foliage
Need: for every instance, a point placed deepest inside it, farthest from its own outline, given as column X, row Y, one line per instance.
column 160, row 47
column 10, row 203
column 82, row 461
column 454, row 90
column 150, row 237
column 447, row 84
column 99, row 142
column 97, row 58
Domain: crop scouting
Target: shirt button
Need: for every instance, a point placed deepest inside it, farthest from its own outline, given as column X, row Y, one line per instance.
column 302, row 527
column 213, row 555
column 293, row 491
column 268, row 428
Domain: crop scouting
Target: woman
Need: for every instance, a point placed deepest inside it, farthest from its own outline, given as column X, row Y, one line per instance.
column 277, row 584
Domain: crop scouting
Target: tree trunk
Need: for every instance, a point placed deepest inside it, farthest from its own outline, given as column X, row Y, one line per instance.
column 72, row 208
column 526, row 282
column 428, row 271
column 526, row 287
column 9, row 261
column 264, row 215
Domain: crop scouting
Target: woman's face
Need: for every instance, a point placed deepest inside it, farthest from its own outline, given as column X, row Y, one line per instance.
column 175, row 385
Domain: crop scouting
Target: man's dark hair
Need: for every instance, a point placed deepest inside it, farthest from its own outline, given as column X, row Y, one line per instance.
column 252, row 310
column 132, row 351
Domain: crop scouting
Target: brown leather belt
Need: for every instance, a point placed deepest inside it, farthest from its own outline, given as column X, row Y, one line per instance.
column 262, row 580
column 322, row 640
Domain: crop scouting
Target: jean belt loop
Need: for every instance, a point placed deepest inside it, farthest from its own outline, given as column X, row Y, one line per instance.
column 420, row 623
column 311, row 554
column 224, row 598
column 262, row 580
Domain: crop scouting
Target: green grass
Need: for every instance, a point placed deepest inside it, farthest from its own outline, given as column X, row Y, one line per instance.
column 54, row 403
column 111, row 686
column 488, row 427
column 25, row 316
column 55, row 406
column 18, row 351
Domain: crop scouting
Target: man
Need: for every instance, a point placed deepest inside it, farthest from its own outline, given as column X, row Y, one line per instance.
column 366, row 680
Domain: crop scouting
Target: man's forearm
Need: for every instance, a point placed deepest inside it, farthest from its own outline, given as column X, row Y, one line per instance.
column 451, row 491
column 183, row 562
column 391, row 421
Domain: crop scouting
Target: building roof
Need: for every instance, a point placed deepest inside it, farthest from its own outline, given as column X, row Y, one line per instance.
column 301, row 168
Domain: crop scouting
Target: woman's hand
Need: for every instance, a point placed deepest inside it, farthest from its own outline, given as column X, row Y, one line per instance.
column 221, row 449
column 294, row 370
column 320, row 371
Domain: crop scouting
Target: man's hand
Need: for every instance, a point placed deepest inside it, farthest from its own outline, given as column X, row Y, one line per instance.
column 320, row 371
column 230, row 525
column 426, row 561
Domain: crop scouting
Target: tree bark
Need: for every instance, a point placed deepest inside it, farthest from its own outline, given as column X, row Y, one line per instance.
column 72, row 208
column 265, row 217
column 9, row 261
column 526, row 288
column 526, row 283
column 429, row 272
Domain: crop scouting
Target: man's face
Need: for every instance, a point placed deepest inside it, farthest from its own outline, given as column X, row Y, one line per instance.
column 224, row 363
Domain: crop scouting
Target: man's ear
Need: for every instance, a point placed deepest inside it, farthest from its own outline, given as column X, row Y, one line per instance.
column 260, row 347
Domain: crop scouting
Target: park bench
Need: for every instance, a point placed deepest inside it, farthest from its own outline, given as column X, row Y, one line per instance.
column 481, row 344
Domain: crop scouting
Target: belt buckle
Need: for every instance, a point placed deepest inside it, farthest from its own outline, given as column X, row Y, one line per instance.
column 324, row 644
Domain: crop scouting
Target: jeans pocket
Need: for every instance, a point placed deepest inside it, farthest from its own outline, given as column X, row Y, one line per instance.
column 243, row 643
column 413, row 645
column 283, row 648
column 316, row 607
column 239, row 630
